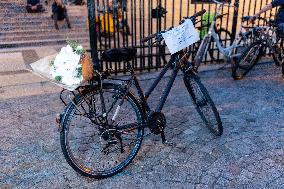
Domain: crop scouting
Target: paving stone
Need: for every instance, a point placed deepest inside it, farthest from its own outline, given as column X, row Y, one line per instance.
column 11, row 62
column 248, row 155
column 30, row 56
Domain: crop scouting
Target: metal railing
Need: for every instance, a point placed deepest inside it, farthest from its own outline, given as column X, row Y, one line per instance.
column 123, row 23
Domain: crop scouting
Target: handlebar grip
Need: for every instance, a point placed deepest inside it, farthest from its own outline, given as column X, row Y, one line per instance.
column 200, row 13
column 145, row 39
column 246, row 18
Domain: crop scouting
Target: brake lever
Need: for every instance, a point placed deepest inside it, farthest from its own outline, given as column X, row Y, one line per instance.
column 151, row 44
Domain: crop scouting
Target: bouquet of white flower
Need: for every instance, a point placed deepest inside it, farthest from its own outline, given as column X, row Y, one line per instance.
column 69, row 69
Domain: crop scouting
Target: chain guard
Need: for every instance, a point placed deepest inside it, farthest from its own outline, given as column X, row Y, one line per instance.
column 157, row 122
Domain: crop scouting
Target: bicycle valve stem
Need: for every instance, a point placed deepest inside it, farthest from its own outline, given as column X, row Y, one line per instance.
column 115, row 114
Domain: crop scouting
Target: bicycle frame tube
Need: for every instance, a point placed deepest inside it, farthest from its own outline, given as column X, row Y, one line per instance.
column 211, row 34
column 154, row 85
column 166, row 92
column 158, row 79
column 225, row 51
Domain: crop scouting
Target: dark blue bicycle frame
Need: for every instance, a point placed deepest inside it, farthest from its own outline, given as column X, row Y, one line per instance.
column 143, row 97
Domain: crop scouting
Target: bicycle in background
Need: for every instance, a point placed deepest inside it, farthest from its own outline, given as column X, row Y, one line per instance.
column 214, row 37
column 266, row 38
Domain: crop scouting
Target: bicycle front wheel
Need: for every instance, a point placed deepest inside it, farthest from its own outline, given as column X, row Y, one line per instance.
column 248, row 60
column 204, row 104
column 93, row 144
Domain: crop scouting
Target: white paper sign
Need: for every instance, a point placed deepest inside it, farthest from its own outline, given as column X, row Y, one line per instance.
column 181, row 37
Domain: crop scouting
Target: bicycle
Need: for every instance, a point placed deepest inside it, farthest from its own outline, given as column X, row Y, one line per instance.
column 224, row 34
column 213, row 38
column 101, row 129
column 267, row 37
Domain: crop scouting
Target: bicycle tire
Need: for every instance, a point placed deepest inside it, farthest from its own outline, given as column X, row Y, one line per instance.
column 243, row 43
column 248, row 60
column 202, row 100
column 199, row 55
column 76, row 156
column 221, row 32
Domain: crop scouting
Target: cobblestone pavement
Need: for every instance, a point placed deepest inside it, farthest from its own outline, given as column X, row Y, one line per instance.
column 248, row 155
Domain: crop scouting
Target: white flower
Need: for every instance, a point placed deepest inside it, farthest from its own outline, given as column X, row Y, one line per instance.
column 79, row 48
column 66, row 65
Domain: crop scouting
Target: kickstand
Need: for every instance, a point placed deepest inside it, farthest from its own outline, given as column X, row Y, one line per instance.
column 165, row 142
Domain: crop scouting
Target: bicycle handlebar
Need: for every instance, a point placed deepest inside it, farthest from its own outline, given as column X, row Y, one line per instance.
column 145, row 39
column 200, row 13
column 223, row 4
column 247, row 18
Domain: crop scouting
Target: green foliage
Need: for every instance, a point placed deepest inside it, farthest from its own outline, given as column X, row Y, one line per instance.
column 79, row 72
column 58, row 78
column 74, row 44
column 80, row 52
column 52, row 63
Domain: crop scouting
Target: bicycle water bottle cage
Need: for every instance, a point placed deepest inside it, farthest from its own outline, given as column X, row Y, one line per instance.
column 119, row 55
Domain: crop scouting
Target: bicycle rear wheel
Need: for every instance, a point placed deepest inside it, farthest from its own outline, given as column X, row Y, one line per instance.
column 204, row 104
column 92, row 144
column 248, row 60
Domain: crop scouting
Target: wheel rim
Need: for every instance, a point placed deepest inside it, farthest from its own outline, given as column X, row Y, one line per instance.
column 247, row 62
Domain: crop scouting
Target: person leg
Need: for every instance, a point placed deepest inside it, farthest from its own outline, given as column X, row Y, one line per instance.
column 55, row 18
column 67, row 19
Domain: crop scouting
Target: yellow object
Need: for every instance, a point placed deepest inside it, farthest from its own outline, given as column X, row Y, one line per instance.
column 106, row 22
column 87, row 67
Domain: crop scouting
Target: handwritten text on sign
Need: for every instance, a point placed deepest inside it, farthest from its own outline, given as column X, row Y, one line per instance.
column 181, row 37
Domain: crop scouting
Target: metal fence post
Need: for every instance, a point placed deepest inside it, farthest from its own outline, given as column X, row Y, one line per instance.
column 235, row 18
column 93, row 33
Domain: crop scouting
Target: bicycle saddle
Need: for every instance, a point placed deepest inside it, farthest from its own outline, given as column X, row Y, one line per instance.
column 119, row 55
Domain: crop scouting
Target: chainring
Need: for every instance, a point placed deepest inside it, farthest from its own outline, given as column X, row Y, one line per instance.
column 157, row 122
